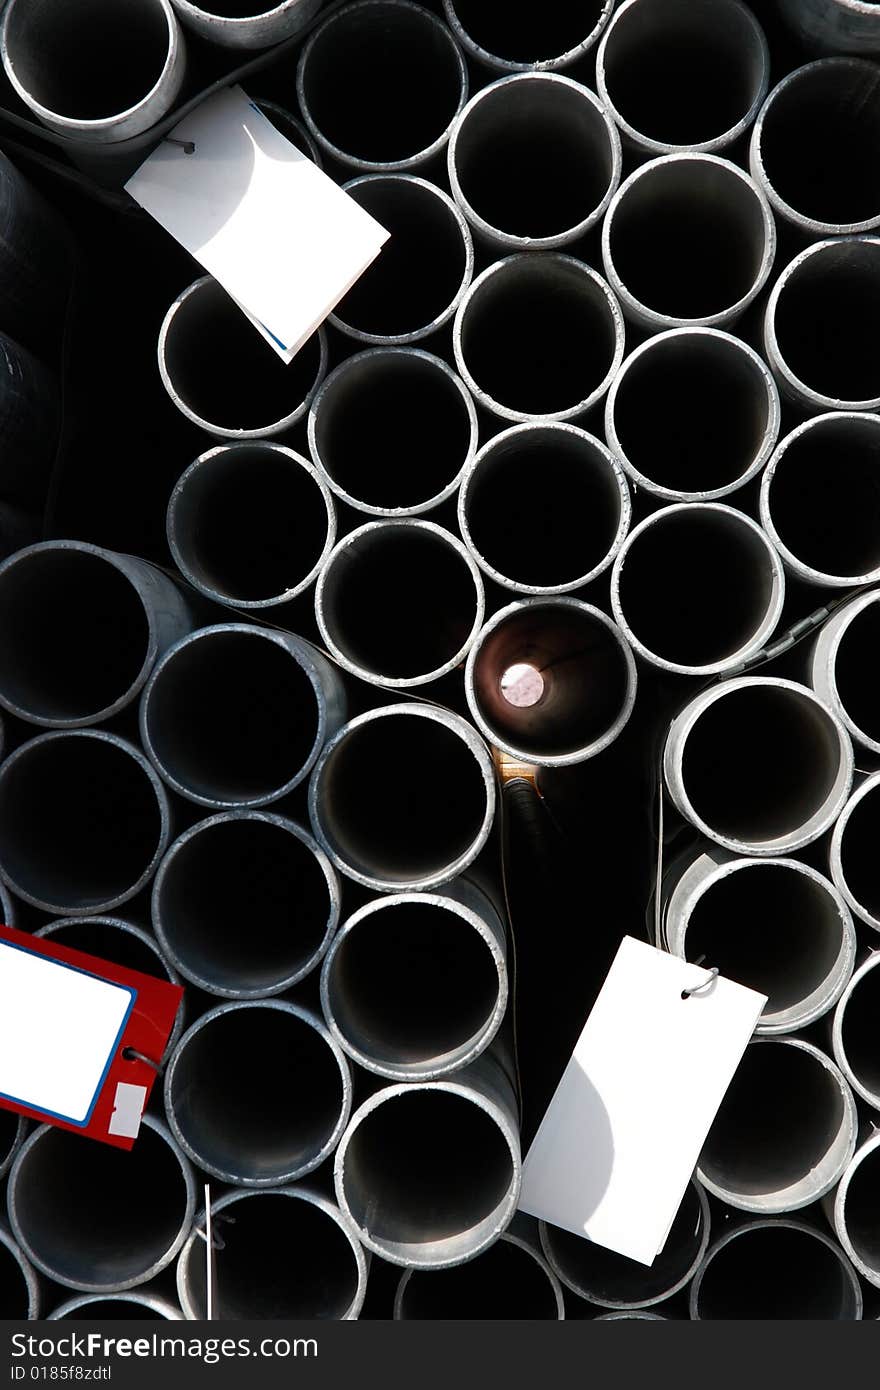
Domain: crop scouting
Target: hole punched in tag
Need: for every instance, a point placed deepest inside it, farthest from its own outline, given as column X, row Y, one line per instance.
column 188, row 146
column 712, row 975
column 131, row 1054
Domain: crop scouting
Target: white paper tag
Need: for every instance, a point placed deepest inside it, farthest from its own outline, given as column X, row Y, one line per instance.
column 279, row 235
column 622, row 1135
column 59, row 1030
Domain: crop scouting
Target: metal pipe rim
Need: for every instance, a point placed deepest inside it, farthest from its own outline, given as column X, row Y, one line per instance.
column 7, row 1159
column 824, row 665
column 565, row 431
column 28, row 1273
column 867, row 788
column 777, row 1224
column 492, row 60
column 161, row 1307
column 771, row 432
column 508, row 240
column 508, row 1238
column 320, row 403
column 837, row 1043
column 841, row 1228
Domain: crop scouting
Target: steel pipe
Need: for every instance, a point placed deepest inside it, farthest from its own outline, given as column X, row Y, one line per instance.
column 819, row 500
column 688, row 241
column 635, row 1314
column 98, row 1219
column 816, row 144
column 395, row 302
column 250, row 525
column 8, row 912
column 123, row 1307
column 414, row 986
column 36, row 265
column 608, row 1280
column 851, row 26
column 693, row 414
column 819, row 326
column 524, row 37
column 759, row 764
column 291, row 128
column 856, row 1214
column 854, row 1031
column 258, row 1093
column 287, row 1253
column 785, row 1131
column 80, row 631
column 234, row 716
column 29, row 425
column 538, row 337
column 854, row 851
column 84, row 820
column 682, row 74
column 551, row 681
column 367, row 431
column 247, row 23
column 430, row 1171
column 510, row 1280
column 775, row 1269
column 399, row 602
column 368, row 63
column 19, row 1287
column 842, row 663
column 56, row 57
column 697, row 588
column 245, row 904
column 222, row 374
column 377, row 810
column 12, row 1131
column 774, row 925
column 511, row 159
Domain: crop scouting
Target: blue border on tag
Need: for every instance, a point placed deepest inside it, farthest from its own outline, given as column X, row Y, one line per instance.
column 128, row 989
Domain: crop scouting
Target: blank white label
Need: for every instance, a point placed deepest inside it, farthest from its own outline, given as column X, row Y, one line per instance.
column 59, row 1030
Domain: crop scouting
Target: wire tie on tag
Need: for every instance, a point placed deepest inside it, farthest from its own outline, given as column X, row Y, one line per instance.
column 188, row 146
column 131, row 1054
column 712, row 976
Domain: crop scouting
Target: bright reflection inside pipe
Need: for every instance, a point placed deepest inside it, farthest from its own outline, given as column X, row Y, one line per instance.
column 522, row 685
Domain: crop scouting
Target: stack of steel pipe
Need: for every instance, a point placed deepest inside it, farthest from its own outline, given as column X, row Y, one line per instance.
column 581, row 474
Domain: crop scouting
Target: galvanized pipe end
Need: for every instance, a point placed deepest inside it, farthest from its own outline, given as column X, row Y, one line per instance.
column 511, row 1280
column 838, row 26
column 19, row 1286
column 843, row 665
column 527, row 37
column 854, row 851
column 775, row 1269
column 856, row 1211
column 247, row 24
column 98, row 1308
column 854, row 1031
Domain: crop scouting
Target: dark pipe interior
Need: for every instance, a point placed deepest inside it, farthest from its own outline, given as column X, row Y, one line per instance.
column 504, row 1282
column 862, row 1210
column 774, row 1271
column 393, row 430
column 858, row 852
column 250, row 523
column 14, row 1299
column 395, row 296
column 256, row 1092
column 73, row 634
column 688, row 239
column 855, row 669
column 79, row 821
column 683, row 73
column 424, row 1166
column 281, row 1258
column 411, row 983
column 691, row 413
column 543, row 507
column 538, row 335
column 771, row 928
column 584, row 671
column 760, row 762
column 516, row 152
column 243, row 904
column 859, row 1033
column 780, row 1114
column 527, row 33
column 696, row 586
column 73, row 1201
column 111, row 943
column 232, row 716
column 369, row 65
column 820, row 143
column 383, row 808
column 102, row 1310
column 60, row 53
column 826, row 319
column 400, row 601
column 225, row 372
column 613, row 1278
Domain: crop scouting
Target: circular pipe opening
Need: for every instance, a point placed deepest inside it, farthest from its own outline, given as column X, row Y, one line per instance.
column 688, row 240
column 394, row 301
column 71, row 1207
column 693, row 414
column 775, row 1269
column 785, row 1131
column 551, row 35
column 19, row 1292
column 145, row 1307
column 538, row 335
column 544, row 508
column 854, row 851
column 84, row 821
column 543, row 126
column 250, row 524
column 222, row 374
column 857, row 1212
column 368, row 435
column 378, row 810
column 697, row 588
column 851, row 670
column 245, row 904
column 856, row 1050
column 258, row 1093
column 509, row 1281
